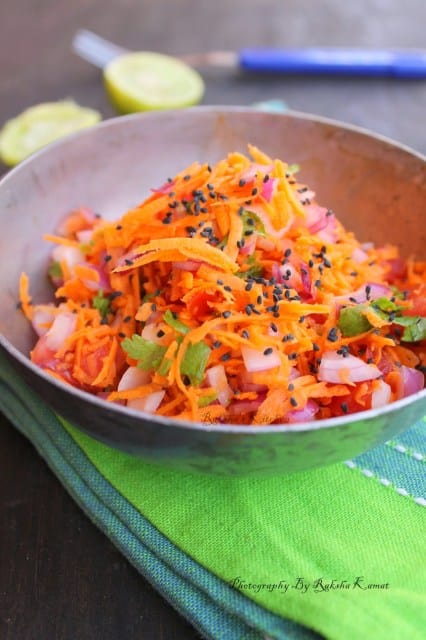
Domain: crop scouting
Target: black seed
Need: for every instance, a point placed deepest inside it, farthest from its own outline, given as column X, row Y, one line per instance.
column 266, row 178
column 248, row 310
column 153, row 307
column 332, row 335
column 227, row 288
column 217, row 344
column 115, row 294
column 317, row 283
column 127, row 319
column 226, row 314
column 108, row 258
column 259, row 299
column 315, row 346
column 367, row 291
column 121, row 334
column 160, row 333
column 245, row 334
column 290, row 387
column 301, row 319
column 249, row 286
column 118, row 227
column 187, row 177
column 274, row 327
column 225, row 357
column 293, row 402
column 344, row 407
column 268, row 351
column 287, row 253
column 326, row 262
column 241, row 183
column 128, row 262
column 311, row 263
column 254, row 191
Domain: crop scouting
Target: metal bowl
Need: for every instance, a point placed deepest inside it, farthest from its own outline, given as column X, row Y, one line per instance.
column 376, row 187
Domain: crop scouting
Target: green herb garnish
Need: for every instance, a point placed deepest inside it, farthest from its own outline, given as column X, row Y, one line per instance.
column 55, row 270
column 101, row 303
column 148, row 354
column 194, row 362
column 176, row 324
column 204, row 401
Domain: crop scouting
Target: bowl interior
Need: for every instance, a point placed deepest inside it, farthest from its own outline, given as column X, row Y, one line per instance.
column 377, row 189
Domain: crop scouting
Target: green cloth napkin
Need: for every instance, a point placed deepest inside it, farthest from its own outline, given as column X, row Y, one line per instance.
column 246, row 558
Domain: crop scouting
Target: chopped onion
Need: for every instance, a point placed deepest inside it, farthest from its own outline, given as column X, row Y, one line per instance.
column 332, row 364
column 165, row 188
column 133, row 377
column 305, row 414
column 149, row 404
column 359, row 256
column 62, row 327
column 42, row 318
column 240, row 407
column 316, row 217
column 216, row 377
column 70, row 255
column 150, row 331
column 188, row 265
column 84, row 236
column 381, row 395
column 412, row 381
column 268, row 189
column 255, row 360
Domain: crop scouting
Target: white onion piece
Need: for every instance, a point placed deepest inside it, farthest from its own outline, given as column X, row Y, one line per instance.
column 149, row 332
column 412, row 381
column 359, row 256
column 333, row 363
column 42, row 318
column 133, row 377
column 70, row 255
column 149, row 404
column 381, row 395
column 305, row 414
column 62, row 327
column 216, row 377
column 84, row 236
column 255, row 360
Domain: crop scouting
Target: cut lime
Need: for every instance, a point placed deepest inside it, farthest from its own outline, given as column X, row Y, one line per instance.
column 145, row 81
column 41, row 124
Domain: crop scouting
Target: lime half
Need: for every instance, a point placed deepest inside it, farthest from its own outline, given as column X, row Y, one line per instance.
column 37, row 126
column 145, row 81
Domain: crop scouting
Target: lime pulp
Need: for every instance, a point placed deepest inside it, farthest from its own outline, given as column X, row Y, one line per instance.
column 145, row 81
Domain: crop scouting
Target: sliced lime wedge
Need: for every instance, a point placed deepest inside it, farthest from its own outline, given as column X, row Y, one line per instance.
column 37, row 126
column 145, row 81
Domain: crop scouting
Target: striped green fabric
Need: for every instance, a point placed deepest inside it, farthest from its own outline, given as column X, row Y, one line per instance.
column 286, row 557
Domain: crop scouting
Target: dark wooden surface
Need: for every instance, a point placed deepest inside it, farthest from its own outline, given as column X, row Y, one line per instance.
column 60, row 578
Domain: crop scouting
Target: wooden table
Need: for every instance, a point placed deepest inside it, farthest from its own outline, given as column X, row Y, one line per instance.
column 60, row 578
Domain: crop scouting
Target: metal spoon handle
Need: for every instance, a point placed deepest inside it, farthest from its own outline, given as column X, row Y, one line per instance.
column 95, row 49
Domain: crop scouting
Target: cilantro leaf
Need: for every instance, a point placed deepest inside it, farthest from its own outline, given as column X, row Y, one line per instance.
column 352, row 321
column 204, row 401
column 148, row 354
column 164, row 367
column 194, row 362
column 255, row 270
column 176, row 324
column 101, row 303
column 415, row 328
column 292, row 168
column 55, row 270
column 252, row 222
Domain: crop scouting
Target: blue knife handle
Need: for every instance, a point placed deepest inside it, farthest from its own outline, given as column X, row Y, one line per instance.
column 402, row 64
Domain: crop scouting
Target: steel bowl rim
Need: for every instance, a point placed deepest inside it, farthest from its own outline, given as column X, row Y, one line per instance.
column 254, row 430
